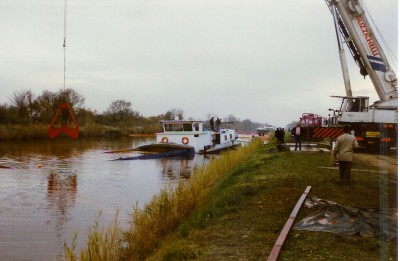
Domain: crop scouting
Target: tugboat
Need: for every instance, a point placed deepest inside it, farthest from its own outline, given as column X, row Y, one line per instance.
column 185, row 138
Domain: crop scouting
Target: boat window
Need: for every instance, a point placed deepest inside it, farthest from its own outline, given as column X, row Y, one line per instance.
column 168, row 127
column 230, row 136
column 187, row 127
column 178, row 127
column 226, row 137
column 196, row 126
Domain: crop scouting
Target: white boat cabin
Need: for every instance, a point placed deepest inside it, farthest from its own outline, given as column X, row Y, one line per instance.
column 193, row 133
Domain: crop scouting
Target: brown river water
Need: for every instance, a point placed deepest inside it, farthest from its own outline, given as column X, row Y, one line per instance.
column 50, row 190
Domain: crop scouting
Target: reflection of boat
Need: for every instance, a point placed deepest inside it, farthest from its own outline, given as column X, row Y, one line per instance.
column 179, row 168
column 185, row 137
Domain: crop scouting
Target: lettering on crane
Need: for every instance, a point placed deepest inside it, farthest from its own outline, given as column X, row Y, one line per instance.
column 367, row 36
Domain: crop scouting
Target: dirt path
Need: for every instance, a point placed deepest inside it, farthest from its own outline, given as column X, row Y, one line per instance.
column 387, row 163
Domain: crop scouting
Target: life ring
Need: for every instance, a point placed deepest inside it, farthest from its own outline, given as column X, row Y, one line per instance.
column 164, row 140
column 185, row 140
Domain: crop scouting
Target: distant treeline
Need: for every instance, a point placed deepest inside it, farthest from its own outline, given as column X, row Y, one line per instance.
column 37, row 112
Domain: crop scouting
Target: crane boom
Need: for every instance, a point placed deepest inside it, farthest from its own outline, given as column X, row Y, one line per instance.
column 364, row 47
column 375, row 126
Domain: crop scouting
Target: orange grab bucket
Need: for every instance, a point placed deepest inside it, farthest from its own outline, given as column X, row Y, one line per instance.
column 55, row 131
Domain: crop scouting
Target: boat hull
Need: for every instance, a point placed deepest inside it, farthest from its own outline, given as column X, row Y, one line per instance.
column 161, row 150
column 163, row 147
column 218, row 148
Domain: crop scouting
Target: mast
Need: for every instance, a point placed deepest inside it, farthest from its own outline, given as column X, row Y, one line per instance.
column 343, row 63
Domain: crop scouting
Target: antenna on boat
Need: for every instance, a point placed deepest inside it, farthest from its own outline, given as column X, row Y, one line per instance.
column 64, row 109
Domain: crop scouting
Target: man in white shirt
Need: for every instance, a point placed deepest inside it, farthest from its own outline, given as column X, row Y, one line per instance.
column 297, row 132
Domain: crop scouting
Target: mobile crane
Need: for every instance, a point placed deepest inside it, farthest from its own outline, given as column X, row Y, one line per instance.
column 375, row 126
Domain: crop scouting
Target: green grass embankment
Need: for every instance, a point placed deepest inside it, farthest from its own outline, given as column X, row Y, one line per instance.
column 235, row 208
column 247, row 209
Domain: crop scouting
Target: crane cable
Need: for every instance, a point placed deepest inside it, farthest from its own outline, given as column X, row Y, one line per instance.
column 65, row 39
column 63, row 92
column 64, row 109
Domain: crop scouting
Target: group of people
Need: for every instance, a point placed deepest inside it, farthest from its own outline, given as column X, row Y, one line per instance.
column 280, row 135
column 297, row 133
column 280, row 138
column 214, row 126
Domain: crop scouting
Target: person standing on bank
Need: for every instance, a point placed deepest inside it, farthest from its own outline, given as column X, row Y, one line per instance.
column 343, row 152
column 297, row 132
column 212, row 123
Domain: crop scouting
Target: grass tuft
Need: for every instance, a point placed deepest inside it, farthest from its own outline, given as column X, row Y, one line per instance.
column 102, row 243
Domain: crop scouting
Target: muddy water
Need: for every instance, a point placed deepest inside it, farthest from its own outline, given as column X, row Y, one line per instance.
column 51, row 189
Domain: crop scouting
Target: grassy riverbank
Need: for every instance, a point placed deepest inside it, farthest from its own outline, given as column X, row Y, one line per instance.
column 239, row 213
column 249, row 207
column 159, row 218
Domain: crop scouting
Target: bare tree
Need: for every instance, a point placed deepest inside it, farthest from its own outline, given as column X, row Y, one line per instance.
column 74, row 99
column 231, row 118
column 32, row 105
column 19, row 100
column 47, row 104
column 120, row 112
column 174, row 113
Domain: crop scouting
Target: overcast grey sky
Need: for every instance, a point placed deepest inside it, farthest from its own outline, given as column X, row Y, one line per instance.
column 265, row 60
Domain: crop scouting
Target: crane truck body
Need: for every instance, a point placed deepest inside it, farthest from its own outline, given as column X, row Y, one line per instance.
column 375, row 125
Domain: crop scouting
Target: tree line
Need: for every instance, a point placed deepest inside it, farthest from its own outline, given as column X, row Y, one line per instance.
column 27, row 108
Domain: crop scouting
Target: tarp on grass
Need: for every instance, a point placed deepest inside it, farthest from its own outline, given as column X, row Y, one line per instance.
column 344, row 220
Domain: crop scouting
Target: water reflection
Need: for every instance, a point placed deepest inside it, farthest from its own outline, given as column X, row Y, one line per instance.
column 176, row 168
column 41, row 207
column 182, row 167
column 61, row 195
